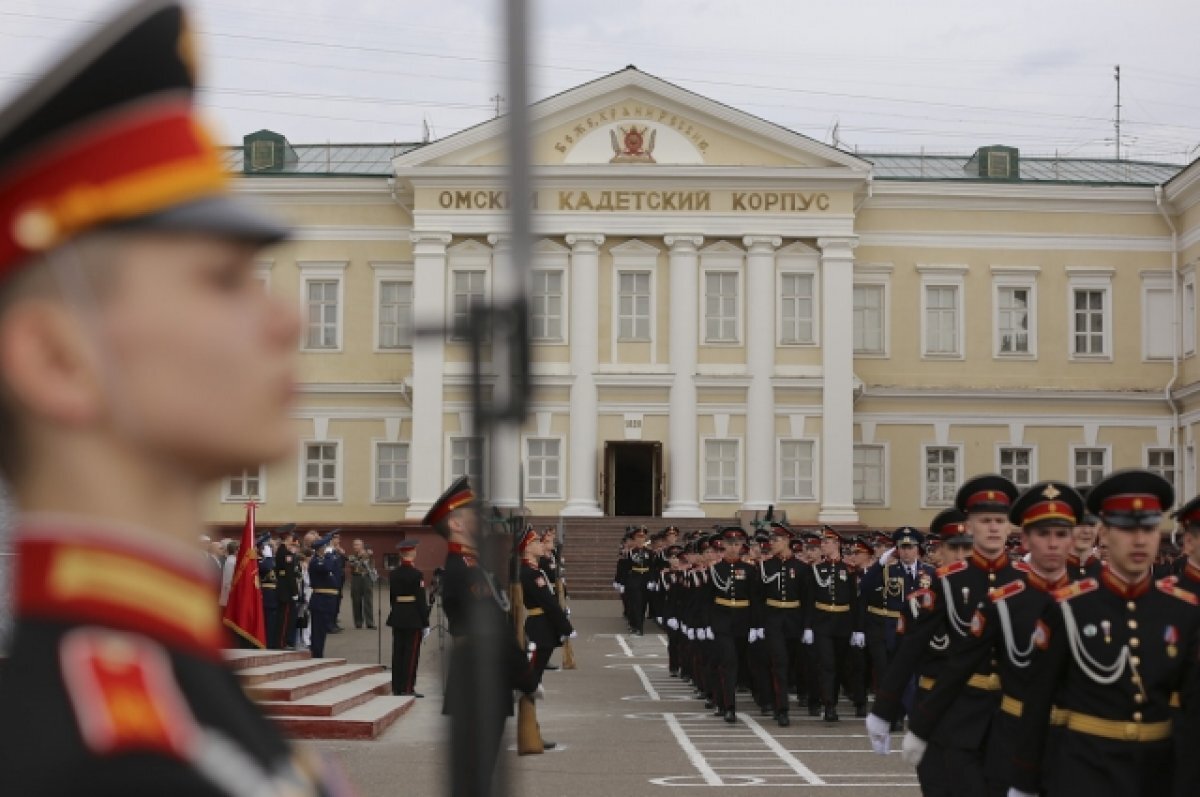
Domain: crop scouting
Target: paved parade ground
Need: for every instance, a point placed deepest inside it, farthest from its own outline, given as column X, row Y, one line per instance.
column 624, row 727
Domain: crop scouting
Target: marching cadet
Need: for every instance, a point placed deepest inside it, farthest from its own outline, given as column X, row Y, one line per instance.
column 940, row 623
column 621, row 578
column 637, row 579
column 477, row 620
column 831, row 625
column 731, row 619
column 655, row 597
column 1187, row 734
column 672, row 583
column 1082, row 561
column 322, row 606
column 140, row 361
column 1113, row 653
column 408, row 617
column 1006, row 630
column 781, row 585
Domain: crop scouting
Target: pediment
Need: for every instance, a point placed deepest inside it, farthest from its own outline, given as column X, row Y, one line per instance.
column 635, row 247
column 632, row 119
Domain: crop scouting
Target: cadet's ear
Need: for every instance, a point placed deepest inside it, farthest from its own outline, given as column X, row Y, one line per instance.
column 48, row 363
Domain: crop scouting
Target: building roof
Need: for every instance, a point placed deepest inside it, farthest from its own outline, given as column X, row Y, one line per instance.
column 355, row 160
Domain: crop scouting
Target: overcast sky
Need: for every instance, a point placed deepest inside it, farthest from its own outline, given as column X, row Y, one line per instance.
column 940, row 76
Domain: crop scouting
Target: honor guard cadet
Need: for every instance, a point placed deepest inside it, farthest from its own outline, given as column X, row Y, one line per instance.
column 636, row 580
column 323, row 575
column 546, row 625
column 1115, row 653
column 408, row 617
column 831, row 623
column 953, row 762
column 782, row 583
column 1008, row 629
column 1083, row 561
column 140, row 361
column 288, row 585
column 1187, row 734
column 731, row 620
column 266, row 582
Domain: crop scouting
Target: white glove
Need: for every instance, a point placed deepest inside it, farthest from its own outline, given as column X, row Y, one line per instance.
column 710, row 633
column 691, row 633
column 807, row 639
column 879, row 731
column 887, row 556
column 672, row 623
column 858, row 640
column 618, row 586
column 1015, row 792
column 912, row 749
column 658, row 620
column 567, row 611
column 762, row 634
column 652, row 586
column 571, row 635
column 424, row 633
column 753, row 635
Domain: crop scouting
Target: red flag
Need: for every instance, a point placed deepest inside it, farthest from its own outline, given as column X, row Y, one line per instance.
column 244, row 611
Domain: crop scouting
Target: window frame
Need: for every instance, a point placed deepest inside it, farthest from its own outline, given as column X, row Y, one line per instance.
column 1106, row 465
column 562, row 470
column 1090, row 279
column 883, row 465
column 228, row 497
column 738, row 306
column 339, row 462
column 563, row 321
column 392, row 272
column 816, row 470
column 958, row 467
column 944, row 277
column 1158, row 282
column 376, row 443
column 739, row 470
column 1033, row 461
column 815, row 319
column 1147, row 450
column 451, row 274
column 449, row 455
column 323, row 271
column 1010, row 278
column 874, row 275
column 650, row 320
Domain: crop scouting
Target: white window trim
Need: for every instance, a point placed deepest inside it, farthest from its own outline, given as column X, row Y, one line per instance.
column 550, row 256
column 1090, row 279
column 925, row 473
column 796, row 265
column 816, row 477
column 449, row 449
column 391, row 272
column 739, row 331
column 877, row 274
column 1015, row 277
column 1033, row 459
column 1188, row 340
column 226, row 498
column 323, row 271
column 341, row 472
column 1079, row 447
column 1160, row 281
column 887, row 458
column 616, row 308
column 739, row 486
column 373, row 498
column 562, row 465
column 450, row 273
column 1147, row 448
column 565, row 322
column 944, row 277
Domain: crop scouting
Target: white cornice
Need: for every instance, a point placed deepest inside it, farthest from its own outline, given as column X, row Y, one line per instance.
column 375, row 388
column 1002, row 394
column 956, row 195
column 645, row 224
column 604, row 175
column 632, row 381
column 378, row 187
column 1024, row 241
column 1183, row 190
column 1064, row 421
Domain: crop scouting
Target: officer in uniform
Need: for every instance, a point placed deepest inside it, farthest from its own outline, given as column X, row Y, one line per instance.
column 1114, row 652
column 408, row 618
column 1006, row 629
column 546, row 623
column 139, row 360
column 731, row 618
column 831, row 624
column 362, row 584
column 637, row 579
column 781, row 585
column 323, row 576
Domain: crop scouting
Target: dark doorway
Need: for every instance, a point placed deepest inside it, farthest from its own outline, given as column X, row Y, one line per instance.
column 633, row 479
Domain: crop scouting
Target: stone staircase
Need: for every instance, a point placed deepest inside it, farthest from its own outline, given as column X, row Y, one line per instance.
column 319, row 698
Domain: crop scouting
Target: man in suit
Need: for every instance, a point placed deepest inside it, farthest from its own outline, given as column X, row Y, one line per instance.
column 408, row 618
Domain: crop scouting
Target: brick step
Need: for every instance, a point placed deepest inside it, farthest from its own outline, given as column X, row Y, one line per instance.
column 237, row 659
column 332, row 702
column 367, row 721
column 251, row 676
column 299, row 686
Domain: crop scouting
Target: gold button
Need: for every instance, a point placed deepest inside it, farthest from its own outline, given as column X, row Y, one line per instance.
column 1138, row 698
column 1133, row 642
column 1137, row 716
column 991, row 576
column 1136, row 680
column 1133, row 625
column 1136, row 661
column 1131, row 606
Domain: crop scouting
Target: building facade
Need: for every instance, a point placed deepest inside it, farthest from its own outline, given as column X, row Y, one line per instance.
column 726, row 316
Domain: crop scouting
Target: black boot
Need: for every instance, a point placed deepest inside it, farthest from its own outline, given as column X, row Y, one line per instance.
column 814, row 709
column 782, row 718
column 831, row 714
column 731, row 716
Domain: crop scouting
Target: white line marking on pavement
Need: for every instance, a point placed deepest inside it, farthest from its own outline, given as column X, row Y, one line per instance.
column 625, row 647
column 796, row 764
column 646, row 683
column 710, row 777
column 663, row 639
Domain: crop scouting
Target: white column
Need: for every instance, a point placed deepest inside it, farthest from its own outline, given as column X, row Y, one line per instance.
column 683, row 427
column 837, row 353
column 429, row 302
column 585, row 331
column 504, row 470
column 761, row 455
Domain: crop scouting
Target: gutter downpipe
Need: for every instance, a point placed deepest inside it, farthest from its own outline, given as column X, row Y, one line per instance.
column 1176, row 325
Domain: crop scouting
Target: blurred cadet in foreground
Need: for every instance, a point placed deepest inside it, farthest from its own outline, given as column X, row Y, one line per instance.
column 140, row 360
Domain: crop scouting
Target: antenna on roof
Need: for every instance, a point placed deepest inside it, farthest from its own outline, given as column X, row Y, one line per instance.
column 497, row 99
column 425, row 130
column 1117, row 77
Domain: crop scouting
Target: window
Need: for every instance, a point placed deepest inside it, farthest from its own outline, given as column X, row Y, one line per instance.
column 1089, row 322
column 941, row 475
column 466, row 458
column 1013, row 320
column 391, row 472
column 468, row 290
column 395, row 314
column 720, row 470
column 542, row 468
column 546, row 306
column 721, row 307
column 1016, row 465
column 633, row 306
column 322, row 329
column 868, row 319
column 1158, row 305
column 1189, row 314
column 1162, row 462
column 320, row 471
column 941, row 320
column 245, row 486
column 796, row 469
column 796, row 316
column 1090, row 465
column 868, row 474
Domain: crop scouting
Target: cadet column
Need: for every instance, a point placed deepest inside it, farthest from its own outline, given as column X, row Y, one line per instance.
column 585, row 288
column 683, row 429
column 429, row 299
column 837, row 351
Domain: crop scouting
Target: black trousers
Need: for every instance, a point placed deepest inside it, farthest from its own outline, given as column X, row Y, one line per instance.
column 406, row 655
column 777, row 654
column 948, row 772
column 1105, row 768
column 635, row 593
column 838, row 663
column 285, row 628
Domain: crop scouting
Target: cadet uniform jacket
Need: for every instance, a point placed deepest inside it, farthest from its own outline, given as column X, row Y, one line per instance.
column 831, row 607
column 732, row 589
column 781, row 584
column 545, row 621
column 117, row 687
column 407, row 598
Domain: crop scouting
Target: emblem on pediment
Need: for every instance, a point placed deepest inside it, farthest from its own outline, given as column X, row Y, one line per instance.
column 632, row 145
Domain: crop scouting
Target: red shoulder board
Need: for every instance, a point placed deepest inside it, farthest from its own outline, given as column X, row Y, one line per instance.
column 1007, row 591
column 949, row 570
column 923, row 598
column 125, row 696
column 1075, row 589
column 1021, row 565
column 1168, row 586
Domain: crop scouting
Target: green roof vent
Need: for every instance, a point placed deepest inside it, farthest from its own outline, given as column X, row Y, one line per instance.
column 995, row 163
column 267, row 152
